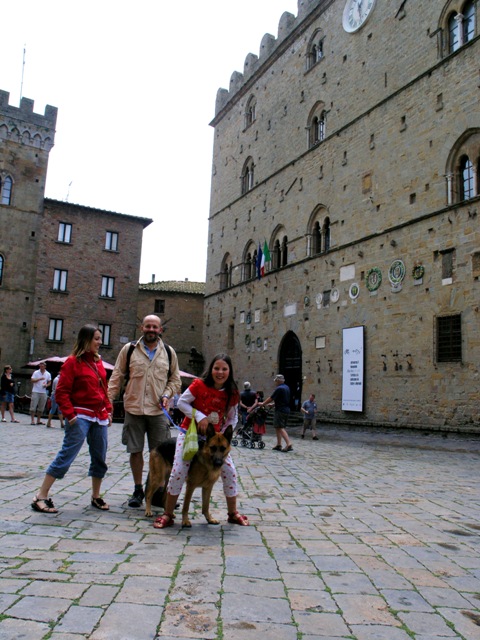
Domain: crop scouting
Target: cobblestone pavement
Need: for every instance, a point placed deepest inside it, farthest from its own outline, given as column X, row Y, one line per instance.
column 366, row 535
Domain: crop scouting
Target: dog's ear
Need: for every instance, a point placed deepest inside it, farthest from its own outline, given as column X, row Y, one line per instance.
column 210, row 431
column 228, row 433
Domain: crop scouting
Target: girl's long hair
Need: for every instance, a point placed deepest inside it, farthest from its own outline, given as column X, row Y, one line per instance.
column 230, row 385
column 84, row 338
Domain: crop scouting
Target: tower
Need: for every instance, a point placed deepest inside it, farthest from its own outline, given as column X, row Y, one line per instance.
column 25, row 142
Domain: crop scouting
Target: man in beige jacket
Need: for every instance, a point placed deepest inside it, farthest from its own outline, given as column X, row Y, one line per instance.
column 153, row 378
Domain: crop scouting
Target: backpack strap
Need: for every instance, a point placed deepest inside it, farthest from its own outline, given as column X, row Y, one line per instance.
column 129, row 357
column 169, row 354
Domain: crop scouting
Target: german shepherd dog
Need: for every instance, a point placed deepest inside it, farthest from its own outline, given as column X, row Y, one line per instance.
column 205, row 469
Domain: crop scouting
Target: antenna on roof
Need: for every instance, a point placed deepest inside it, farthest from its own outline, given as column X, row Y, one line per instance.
column 23, row 69
column 68, row 192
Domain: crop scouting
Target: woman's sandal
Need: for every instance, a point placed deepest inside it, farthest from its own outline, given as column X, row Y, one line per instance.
column 164, row 521
column 99, row 503
column 43, row 505
column 237, row 518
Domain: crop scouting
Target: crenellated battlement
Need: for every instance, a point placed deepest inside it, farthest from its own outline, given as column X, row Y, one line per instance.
column 22, row 125
column 268, row 46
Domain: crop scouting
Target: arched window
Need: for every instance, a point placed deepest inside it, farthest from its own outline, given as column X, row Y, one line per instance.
column 326, row 234
column 461, row 26
column 316, row 125
column 315, row 49
column 276, row 255
column 284, row 252
column 2, row 262
column 250, row 115
column 247, row 178
column 226, row 273
column 6, row 190
column 466, row 178
column 249, row 262
column 463, row 167
column 316, row 239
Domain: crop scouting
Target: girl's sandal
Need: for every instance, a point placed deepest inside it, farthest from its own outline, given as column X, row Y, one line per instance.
column 164, row 521
column 99, row 503
column 43, row 505
column 237, row 518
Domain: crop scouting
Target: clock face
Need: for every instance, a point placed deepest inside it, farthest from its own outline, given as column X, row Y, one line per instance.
column 356, row 13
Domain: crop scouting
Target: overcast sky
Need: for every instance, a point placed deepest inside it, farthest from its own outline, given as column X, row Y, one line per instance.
column 135, row 87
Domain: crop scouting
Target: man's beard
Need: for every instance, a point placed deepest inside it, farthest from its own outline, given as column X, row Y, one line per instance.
column 150, row 338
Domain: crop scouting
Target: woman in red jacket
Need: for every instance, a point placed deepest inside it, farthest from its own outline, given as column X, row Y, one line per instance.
column 82, row 397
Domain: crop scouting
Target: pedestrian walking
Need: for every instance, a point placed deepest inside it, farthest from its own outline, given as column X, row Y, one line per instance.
column 41, row 381
column 7, row 393
column 54, row 409
column 281, row 398
column 309, row 410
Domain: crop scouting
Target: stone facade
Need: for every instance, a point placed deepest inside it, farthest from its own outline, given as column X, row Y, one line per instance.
column 354, row 156
column 179, row 304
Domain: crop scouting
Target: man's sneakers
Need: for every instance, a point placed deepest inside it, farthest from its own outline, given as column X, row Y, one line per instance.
column 136, row 498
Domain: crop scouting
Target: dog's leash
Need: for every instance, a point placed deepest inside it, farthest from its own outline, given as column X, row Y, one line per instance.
column 200, row 437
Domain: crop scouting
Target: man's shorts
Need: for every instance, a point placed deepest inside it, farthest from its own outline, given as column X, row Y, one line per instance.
column 280, row 420
column 156, row 428
column 38, row 402
column 310, row 423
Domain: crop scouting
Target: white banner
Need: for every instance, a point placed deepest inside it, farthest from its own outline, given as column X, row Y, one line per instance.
column 353, row 367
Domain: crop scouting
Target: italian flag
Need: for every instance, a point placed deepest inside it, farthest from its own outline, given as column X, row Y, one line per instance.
column 265, row 258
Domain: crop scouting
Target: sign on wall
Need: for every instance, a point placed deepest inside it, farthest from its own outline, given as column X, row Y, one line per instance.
column 353, row 368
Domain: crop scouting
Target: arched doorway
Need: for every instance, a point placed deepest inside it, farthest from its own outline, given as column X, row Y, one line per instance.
column 290, row 365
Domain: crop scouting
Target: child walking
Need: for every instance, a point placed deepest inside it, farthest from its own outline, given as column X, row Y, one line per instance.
column 215, row 398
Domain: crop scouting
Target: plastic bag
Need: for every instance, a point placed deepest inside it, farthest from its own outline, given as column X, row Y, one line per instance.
column 190, row 444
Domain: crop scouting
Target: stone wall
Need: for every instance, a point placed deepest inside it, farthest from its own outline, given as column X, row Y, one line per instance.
column 396, row 107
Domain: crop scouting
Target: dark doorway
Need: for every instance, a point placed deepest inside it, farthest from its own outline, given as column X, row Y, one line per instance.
column 290, row 365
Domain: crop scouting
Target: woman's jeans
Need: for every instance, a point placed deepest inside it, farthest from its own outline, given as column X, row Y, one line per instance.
column 75, row 435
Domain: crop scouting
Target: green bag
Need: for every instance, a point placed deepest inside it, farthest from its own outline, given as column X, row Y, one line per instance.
column 190, row 444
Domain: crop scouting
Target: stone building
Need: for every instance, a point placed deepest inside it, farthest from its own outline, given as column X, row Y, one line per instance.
column 61, row 265
column 180, row 306
column 347, row 155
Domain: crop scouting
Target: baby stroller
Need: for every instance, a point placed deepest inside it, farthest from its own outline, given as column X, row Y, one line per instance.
column 250, row 434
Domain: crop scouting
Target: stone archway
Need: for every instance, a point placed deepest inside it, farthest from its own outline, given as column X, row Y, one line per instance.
column 290, row 365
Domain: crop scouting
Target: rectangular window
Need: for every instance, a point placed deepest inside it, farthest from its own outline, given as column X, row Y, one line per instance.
column 106, row 330
column 64, row 232
column 55, row 329
column 60, row 280
column 159, row 306
column 449, row 338
column 111, row 241
column 108, row 287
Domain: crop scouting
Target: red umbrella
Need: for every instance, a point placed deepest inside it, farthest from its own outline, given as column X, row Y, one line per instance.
column 107, row 365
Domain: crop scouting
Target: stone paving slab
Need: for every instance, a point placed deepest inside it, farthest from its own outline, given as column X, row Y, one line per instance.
column 368, row 535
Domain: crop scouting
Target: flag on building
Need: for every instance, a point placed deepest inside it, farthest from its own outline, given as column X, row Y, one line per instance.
column 265, row 258
column 259, row 261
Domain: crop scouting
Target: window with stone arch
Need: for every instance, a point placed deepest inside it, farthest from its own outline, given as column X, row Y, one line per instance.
column 318, row 232
column 315, row 48
column 6, row 186
column 458, row 24
column 226, row 272
column 463, row 167
column 247, row 177
column 249, row 261
column 250, row 111
column 316, row 125
column 279, row 249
